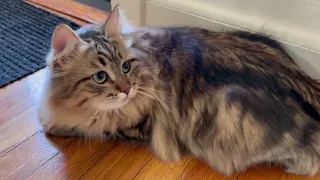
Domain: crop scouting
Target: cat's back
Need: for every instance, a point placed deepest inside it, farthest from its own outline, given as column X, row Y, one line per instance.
column 201, row 59
column 191, row 34
column 233, row 50
column 231, row 46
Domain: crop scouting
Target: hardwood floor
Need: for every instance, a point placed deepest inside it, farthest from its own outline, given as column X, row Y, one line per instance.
column 27, row 153
column 73, row 9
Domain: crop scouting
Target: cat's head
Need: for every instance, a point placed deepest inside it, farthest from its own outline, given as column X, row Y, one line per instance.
column 99, row 69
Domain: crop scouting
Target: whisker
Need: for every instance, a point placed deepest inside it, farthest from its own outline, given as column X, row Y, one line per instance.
column 92, row 117
column 140, row 96
column 155, row 97
column 150, row 89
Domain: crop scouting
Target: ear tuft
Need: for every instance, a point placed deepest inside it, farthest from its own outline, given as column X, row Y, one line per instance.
column 112, row 26
column 117, row 23
column 62, row 36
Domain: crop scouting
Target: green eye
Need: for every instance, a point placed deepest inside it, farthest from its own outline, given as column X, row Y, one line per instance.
column 100, row 77
column 126, row 67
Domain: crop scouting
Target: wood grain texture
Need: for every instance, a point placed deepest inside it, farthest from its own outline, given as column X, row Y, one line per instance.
column 188, row 168
column 21, row 84
column 73, row 9
column 19, row 128
column 21, row 161
column 196, row 170
column 53, row 11
column 263, row 173
column 123, row 162
column 295, row 177
column 26, row 152
column 12, row 105
column 74, row 161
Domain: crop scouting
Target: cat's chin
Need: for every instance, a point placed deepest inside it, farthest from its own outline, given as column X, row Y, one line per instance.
column 117, row 104
column 120, row 104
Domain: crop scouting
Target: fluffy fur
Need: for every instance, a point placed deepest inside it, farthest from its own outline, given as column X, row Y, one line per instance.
column 231, row 99
column 74, row 105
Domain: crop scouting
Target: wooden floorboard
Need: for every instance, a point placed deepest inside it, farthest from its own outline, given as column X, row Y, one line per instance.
column 27, row 153
column 73, row 9
column 21, row 161
column 74, row 161
column 187, row 168
column 263, row 173
column 123, row 162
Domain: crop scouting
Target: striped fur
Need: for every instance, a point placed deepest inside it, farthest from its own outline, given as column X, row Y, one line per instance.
column 232, row 99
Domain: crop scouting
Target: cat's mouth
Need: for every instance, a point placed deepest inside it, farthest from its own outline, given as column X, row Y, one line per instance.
column 120, row 100
column 132, row 93
column 115, row 103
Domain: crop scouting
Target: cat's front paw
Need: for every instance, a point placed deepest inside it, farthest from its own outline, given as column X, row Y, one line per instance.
column 65, row 132
column 48, row 125
column 45, row 122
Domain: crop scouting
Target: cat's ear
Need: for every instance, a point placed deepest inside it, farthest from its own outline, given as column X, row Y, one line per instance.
column 112, row 27
column 117, row 23
column 62, row 36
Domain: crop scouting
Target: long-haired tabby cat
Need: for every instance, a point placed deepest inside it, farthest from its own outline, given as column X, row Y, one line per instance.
column 76, row 101
column 232, row 99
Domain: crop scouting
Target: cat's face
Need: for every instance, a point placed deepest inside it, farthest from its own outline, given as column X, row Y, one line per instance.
column 99, row 68
column 102, row 73
column 97, row 81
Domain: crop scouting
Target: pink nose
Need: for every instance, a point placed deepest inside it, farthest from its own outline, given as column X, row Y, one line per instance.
column 125, row 90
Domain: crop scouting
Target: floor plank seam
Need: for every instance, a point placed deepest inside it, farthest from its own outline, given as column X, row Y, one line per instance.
column 134, row 177
column 19, row 89
column 31, row 173
column 32, row 105
column 20, row 113
column 18, row 144
column 238, row 176
column 67, row 145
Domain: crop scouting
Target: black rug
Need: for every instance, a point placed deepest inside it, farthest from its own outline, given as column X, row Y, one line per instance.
column 25, row 38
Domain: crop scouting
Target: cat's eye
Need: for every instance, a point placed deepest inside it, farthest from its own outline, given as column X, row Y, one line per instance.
column 126, row 67
column 100, row 77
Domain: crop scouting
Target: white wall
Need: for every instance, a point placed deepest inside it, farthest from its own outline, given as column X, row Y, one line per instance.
column 249, row 17
column 304, row 14
column 133, row 9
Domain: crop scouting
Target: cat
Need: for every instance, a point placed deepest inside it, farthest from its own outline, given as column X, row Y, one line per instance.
column 232, row 99
column 70, row 103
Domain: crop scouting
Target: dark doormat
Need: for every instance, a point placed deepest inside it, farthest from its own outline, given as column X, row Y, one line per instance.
column 25, row 38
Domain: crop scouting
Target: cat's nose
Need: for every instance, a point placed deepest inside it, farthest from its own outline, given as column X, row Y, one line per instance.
column 125, row 90
column 123, row 85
